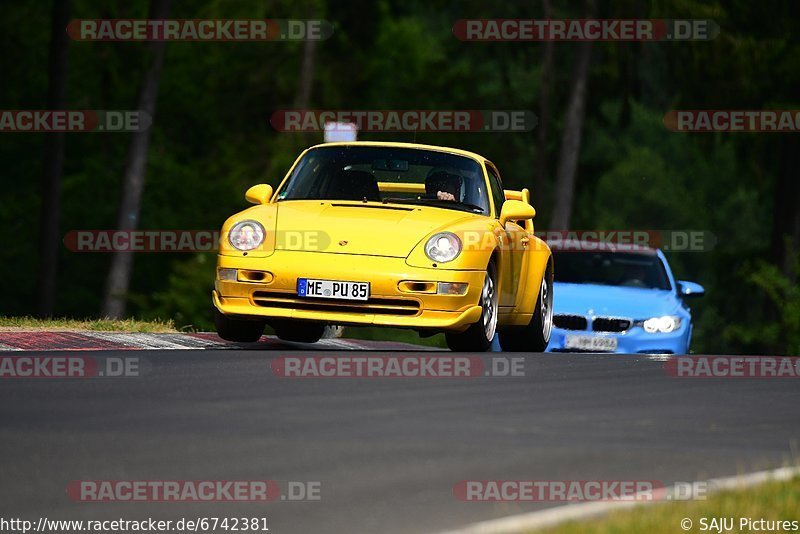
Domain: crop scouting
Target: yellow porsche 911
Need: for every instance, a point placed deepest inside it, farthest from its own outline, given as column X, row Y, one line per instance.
column 386, row 234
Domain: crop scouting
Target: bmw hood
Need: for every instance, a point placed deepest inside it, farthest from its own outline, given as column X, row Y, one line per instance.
column 614, row 301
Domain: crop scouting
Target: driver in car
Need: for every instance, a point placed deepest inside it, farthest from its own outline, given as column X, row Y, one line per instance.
column 443, row 184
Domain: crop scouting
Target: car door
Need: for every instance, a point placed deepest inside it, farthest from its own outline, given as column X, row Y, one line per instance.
column 514, row 242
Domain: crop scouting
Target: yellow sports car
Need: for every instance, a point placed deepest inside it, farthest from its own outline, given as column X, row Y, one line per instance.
column 387, row 234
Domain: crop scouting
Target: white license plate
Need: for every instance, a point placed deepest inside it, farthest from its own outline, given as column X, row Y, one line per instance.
column 332, row 289
column 600, row 344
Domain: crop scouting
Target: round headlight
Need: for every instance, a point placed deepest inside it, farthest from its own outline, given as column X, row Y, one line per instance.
column 443, row 247
column 246, row 235
column 665, row 324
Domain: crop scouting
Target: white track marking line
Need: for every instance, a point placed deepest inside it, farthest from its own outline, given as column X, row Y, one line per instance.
column 576, row 512
column 364, row 344
column 138, row 340
column 341, row 343
column 157, row 341
column 191, row 342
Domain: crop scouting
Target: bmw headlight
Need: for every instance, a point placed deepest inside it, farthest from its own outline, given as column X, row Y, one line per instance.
column 443, row 247
column 246, row 235
column 664, row 324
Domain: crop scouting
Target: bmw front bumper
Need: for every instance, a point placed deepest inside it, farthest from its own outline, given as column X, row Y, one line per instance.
column 633, row 341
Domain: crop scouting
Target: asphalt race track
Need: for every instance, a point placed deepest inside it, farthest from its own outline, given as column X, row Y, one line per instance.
column 387, row 452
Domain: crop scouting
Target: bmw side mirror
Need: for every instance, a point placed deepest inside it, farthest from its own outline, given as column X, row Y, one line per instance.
column 690, row 289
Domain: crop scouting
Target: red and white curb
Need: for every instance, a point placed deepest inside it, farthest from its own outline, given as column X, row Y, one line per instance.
column 47, row 341
column 50, row 341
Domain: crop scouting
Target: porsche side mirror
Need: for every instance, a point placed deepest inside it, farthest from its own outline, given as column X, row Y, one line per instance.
column 515, row 210
column 259, row 194
column 690, row 289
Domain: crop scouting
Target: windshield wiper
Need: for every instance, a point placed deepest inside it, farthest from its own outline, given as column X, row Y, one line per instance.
column 444, row 203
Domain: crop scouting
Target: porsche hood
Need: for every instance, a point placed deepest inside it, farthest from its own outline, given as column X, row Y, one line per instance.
column 373, row 229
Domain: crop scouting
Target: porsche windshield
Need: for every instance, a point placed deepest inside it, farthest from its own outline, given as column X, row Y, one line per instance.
column 610, row 268
column 389, row 175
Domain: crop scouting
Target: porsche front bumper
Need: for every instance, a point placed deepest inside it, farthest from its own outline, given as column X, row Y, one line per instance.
column 275, row 295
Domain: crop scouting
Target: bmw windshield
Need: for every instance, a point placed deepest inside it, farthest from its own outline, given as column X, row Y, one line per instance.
column 389, row 175
column 610, row 268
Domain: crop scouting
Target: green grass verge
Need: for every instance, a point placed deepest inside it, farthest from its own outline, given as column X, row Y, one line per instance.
column 158, row 325
column 773, row 501
column 106, row 325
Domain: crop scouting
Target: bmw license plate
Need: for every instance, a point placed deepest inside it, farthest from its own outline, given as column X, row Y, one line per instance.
column 332, row 289
column 599, row 344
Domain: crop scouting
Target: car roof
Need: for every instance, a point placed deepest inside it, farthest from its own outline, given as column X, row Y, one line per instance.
column 584, row 245
column 392, row 144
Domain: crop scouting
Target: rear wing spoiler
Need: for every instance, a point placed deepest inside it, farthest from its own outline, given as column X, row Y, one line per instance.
column 524, row 195
column 400, row 187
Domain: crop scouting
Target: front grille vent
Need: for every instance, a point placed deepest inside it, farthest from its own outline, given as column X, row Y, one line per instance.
column 610, row 324
column 570, row 322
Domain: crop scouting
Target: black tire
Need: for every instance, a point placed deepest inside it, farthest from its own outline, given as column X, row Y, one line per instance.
column 239, row 330
column 534, row 336
column 478, row 337
column 299, row 331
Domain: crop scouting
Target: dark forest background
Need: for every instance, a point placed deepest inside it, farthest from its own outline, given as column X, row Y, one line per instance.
column 211, row 139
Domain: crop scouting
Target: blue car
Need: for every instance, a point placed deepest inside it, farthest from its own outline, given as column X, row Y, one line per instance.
column 622, row 300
